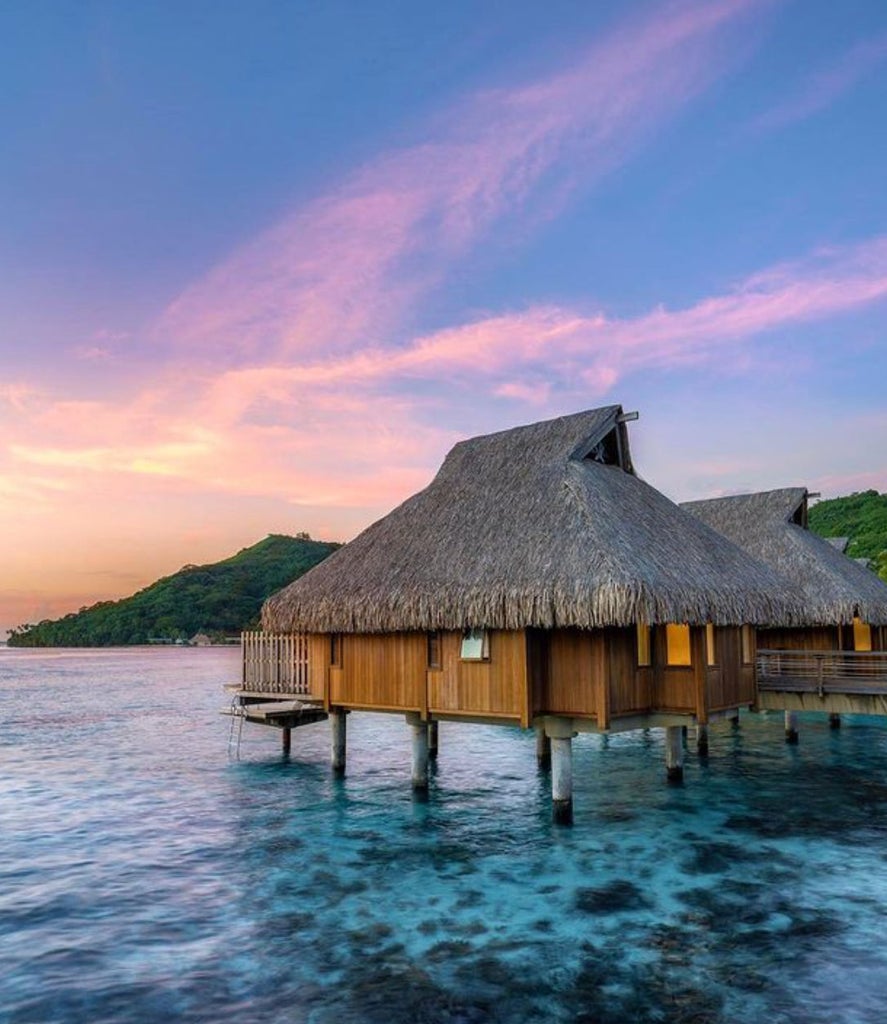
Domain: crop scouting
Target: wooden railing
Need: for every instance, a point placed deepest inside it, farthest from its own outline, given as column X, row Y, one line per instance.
column 823, row 672
column 275, row 663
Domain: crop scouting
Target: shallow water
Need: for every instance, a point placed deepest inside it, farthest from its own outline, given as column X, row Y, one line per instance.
column 145, row 874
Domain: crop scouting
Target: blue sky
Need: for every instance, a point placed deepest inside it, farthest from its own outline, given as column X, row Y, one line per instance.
column 263, row 264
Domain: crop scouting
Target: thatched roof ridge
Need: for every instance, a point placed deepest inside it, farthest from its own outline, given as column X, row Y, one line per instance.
column 518, row 529
column 768, row 526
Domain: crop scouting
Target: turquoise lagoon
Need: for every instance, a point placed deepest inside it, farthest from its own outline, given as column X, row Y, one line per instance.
column 148, row 875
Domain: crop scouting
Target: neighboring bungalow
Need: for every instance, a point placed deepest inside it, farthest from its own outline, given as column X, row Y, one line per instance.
column 537, row 581
column 845, row 602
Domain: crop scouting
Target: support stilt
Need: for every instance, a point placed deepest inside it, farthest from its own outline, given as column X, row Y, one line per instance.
column 674, row 753
column 286, row 741
column 420, row 755
column 543, row 748
column 834, row 721
column 562, row 779
column 734, row 719
column 432, row 740
column 791, row 727
column 337, row 731
column 702, row 740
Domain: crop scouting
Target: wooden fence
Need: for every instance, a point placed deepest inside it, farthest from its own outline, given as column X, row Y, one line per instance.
column 822, row 672
column 275, row 663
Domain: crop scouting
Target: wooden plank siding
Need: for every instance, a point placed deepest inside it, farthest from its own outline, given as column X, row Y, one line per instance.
column 630, row 686
column 384, row 671
column 729, row 683
column 497, row 687
column 813, row 638
column 590, row 674
column 574, row 674
column 319, row 666
column 674, row 686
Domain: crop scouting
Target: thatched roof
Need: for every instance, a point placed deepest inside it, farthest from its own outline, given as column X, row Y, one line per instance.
column 769, row 526
column 522, row 528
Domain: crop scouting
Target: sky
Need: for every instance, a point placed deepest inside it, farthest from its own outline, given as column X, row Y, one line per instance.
column 262, row 265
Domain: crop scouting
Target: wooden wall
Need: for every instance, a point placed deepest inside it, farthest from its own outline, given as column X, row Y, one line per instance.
column 729, row 683
column 812, row 638
column 629, row 685
column 384, row 671
column 576, row 673
column 495, row 688
column 675, row 687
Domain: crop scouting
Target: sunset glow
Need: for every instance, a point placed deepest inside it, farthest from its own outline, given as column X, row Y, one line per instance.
column 244, row 294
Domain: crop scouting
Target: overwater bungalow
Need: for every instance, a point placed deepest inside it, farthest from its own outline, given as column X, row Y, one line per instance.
column 536, row 582
column 838, row 661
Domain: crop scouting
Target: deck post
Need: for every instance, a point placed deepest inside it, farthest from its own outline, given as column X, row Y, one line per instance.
column 733, row 717
column 420, row 752
column 432, row 740
column 337, row 732
column 791, row 727
column 562, row 779
column 286, row 740
column 702, row 740
column 674, row 753
column 543, row 748
column 560, row 733
column 834, row 721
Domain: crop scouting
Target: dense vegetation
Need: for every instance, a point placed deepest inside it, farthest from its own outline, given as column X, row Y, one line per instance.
column 863, row 518
column 218, row 600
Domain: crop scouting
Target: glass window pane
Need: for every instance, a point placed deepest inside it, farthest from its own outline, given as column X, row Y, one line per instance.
column 862, row 636
column 643, row 631
column 677, row 642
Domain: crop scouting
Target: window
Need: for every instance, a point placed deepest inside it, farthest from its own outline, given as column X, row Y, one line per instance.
column 475, row 645
column 434, row 650
column 677, row 644
column 336, row 650
column 862, row 635
column 748, row 645
column 711, row 657
column 643, row 631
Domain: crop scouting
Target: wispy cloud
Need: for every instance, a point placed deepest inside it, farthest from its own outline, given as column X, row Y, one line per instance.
column 352, row 429
column 344, row 271
column 828, row 85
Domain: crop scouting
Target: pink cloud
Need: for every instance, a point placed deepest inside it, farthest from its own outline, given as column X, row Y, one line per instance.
column 351, row 431
column 345, row 271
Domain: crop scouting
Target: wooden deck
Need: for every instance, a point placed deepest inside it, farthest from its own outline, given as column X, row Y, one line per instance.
column 836, row 682
column 822, row 672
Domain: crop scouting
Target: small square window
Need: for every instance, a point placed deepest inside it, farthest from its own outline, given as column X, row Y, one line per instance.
column 710, row 651
column 862, row 635
column 748, row 645
column 643, row 632
column 475, row 645
column 677, row 642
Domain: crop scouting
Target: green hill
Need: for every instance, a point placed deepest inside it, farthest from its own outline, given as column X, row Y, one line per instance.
column 219, row 600
column 863, row 518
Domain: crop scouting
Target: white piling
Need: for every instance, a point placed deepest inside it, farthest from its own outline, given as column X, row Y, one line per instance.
column 562, row 779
